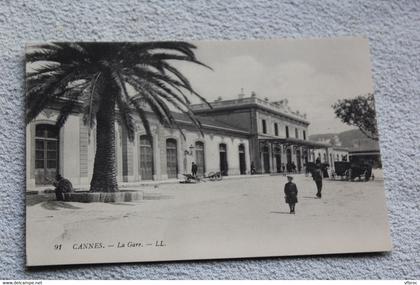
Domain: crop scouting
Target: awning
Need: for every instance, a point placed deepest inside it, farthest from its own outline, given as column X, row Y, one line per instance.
column 362, row 153
column 294, row 141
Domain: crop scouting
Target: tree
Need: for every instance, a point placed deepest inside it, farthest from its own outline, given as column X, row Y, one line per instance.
column 98, row 79
column 359, row 112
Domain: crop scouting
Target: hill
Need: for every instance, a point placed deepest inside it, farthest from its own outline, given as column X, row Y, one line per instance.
column 352, row 139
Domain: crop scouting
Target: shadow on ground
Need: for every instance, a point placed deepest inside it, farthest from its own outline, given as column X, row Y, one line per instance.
column 48, row 202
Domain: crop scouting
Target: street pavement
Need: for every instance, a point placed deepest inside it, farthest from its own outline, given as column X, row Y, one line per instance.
column 230, row 218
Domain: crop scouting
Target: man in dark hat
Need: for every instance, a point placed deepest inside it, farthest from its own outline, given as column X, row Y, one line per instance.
column 290, row 192
column 317, row 177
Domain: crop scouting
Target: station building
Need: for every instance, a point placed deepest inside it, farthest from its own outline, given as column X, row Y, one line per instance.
column 238, row 135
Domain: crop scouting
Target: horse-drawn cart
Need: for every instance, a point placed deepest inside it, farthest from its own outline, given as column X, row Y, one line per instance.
column 212, row 176
column 352, row 170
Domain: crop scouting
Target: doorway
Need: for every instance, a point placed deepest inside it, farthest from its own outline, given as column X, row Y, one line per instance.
column 277, row 157
column 146, row 158
column 171, row 158
column 266, row 159
column 200, row 158
column 242, row 161
column 223, row 159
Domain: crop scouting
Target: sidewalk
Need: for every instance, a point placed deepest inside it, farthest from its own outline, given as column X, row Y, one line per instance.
column 150, row 183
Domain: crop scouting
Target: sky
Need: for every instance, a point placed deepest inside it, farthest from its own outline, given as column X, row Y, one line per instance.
column 311, row 74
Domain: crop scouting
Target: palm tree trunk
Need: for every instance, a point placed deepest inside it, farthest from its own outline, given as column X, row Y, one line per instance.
column 104, row 177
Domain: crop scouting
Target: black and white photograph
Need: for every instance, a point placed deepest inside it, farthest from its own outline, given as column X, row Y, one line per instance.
column 195, row 150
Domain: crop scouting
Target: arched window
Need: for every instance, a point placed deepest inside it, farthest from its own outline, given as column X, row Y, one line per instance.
column 223, row 159
column 146, row 158
column 171, row 158
column 200, row 158
column 46, row 153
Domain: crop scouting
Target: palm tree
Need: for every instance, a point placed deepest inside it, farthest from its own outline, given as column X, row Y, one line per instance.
column 110, row 82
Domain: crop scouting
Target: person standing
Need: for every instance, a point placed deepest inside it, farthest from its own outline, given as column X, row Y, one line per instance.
column 194, row 169
column 290, row 192
column 253, row 170
column 317, row 177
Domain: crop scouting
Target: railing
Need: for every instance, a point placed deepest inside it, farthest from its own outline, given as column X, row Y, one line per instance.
column 277, row 107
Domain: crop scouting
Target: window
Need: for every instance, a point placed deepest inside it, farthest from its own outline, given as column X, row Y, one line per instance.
column 304, row 135
column 46, row 153
column 287, row 131
column 276, row 129
column 296, row 133
column 264, row 126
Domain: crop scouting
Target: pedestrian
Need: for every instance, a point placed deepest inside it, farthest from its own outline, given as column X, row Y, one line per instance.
column 317, row 177
column 253, row 170
column 293, row 167
column 194, row 169
column 290, row 192
column 62, row 186
column 289, row 167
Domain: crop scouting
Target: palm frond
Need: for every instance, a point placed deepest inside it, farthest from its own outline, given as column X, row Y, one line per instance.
column 38, row 96
column 63, row 53
column 142, row 114
column 92, row 102
column 124, row 112
column 68, row 108
column 143, row 89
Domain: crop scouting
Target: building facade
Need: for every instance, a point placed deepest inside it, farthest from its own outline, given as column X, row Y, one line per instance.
column 278, row 135
column 237, row 136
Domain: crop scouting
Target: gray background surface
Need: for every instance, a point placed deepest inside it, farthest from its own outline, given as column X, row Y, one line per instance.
column 393, row 28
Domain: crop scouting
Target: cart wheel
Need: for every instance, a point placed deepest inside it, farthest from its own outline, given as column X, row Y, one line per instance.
column 211, row 176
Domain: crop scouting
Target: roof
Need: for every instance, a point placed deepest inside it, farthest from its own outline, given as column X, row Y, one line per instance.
column 364, row 149
column 341, row 148
column 251, row 102
column 209, row 123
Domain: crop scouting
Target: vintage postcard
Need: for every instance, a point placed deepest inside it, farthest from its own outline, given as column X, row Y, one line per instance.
column 158, row 151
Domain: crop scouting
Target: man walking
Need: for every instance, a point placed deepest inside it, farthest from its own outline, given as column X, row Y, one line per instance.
column 317, row 177
column 290, row 192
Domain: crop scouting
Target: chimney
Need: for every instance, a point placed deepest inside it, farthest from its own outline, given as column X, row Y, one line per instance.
column 241, row 95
